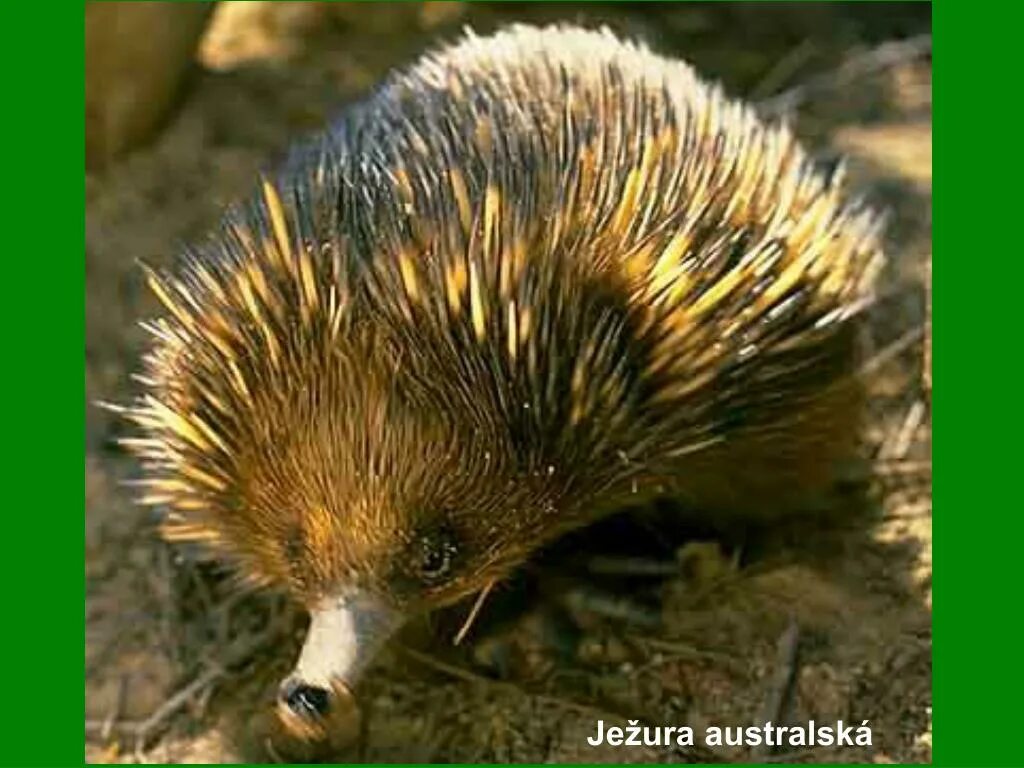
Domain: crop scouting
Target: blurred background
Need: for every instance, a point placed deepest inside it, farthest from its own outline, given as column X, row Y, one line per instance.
column 186, row 102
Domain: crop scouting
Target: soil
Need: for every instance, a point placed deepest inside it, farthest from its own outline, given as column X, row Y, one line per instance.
column 822, row 620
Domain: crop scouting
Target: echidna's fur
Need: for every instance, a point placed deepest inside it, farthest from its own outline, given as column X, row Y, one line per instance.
column 531, row 277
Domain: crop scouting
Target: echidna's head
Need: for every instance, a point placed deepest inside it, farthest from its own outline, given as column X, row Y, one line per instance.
column 330, row 480
column 324, row 451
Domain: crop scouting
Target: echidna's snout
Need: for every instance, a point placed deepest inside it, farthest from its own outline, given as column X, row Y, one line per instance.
column 345, row 633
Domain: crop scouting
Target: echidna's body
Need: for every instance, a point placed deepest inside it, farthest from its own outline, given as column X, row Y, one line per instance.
column 530, row 278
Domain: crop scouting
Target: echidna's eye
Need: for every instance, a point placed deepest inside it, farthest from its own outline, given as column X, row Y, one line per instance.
column 436, row 556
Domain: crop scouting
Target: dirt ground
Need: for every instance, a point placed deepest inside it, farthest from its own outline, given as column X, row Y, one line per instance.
column 830, row 621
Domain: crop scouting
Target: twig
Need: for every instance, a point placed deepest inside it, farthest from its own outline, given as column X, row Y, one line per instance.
column 170, row 707
column 461, row 634
column 859, row 65
column 781, row 683
column 783, row 70
column 891, row 351
column 902, row 467
column 908, row 511
column 115, row 709
column 139, row 754
column 201, row 702
column 899, row 441
column 142, row 730
column 610, row 606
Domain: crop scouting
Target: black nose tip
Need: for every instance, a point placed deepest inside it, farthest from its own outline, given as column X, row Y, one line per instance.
column 306, row 700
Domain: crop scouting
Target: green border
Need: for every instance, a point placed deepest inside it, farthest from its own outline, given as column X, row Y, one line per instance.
column 980, row 529
column 43, row 385
column 979, row 525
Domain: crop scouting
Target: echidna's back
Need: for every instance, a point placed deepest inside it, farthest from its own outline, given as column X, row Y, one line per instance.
column 740, row 262
column 604, row 166
column 556, row 119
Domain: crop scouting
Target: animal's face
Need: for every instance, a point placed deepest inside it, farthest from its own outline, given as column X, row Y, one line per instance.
column 340, row 481
column 375, row 511
column 378, row 495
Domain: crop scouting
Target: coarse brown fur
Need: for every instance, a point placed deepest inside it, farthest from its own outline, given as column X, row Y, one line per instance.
column 531, row 278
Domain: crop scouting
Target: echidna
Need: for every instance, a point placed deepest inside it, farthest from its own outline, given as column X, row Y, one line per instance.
column 534, row 277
